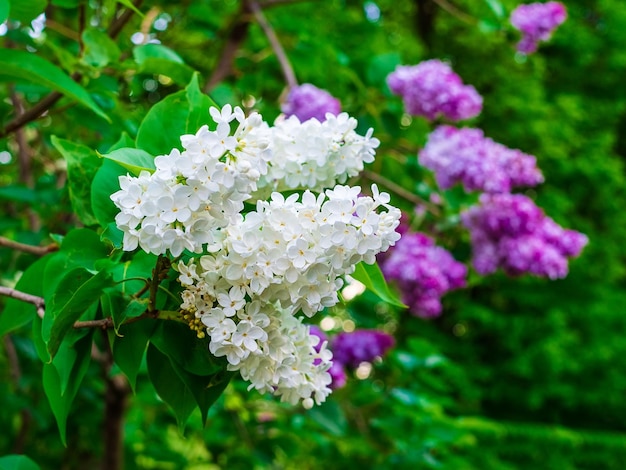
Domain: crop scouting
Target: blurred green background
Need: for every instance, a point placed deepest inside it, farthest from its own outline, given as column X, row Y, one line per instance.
column 517, row 373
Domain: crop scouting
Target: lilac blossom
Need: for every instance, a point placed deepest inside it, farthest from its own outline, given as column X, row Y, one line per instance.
column 509, row 231
column 424, row 273
column 466, row 156
column 350, row 349
column 537, row 22
column 307, row 102
column 432, row 89
column 336, row 371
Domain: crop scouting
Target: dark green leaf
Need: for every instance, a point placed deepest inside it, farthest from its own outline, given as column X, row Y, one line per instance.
column 65, row 3
column 26, row 10
column 32, row 68
column 82, row 166
column 100, row 49
column 75, row 293
column 129, row 346
column 181, row 113
column 371, row 276
column 182, row 346
column 104, row 184
column 163, row 125
column 17, row 462
column 330, row 416
column 170, row 386
column 4, row 10
column 61, row 402
column 17, row 313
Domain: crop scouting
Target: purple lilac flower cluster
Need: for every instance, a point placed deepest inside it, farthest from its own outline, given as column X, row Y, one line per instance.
column 307, row 102
column 351, row 349
column 479, row 163
column 431, row 88
column 424, row 273
column 537, row 22
column 509, row 231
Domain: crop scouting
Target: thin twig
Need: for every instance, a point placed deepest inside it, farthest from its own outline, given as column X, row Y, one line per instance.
column 35, row 250
column 116, row 26
column 454, row 11
column 32, row 299
column 400, row 191
column 283, row 60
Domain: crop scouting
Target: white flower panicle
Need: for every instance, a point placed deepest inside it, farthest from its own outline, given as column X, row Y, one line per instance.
column 315, row 155
column 289, row 255
column 286, row 256
column 193, row 194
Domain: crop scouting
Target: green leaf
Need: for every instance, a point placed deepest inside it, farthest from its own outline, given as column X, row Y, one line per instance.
column 158, row 59
column 330, row 417
column 17, row 313
column 75, row 293
column 170, row 386
column 371, row 276
column 32, row 68
column 129, row 346
column 182, row 346
column 82, row 165
column 79, row 248
column 155, row 51
column 5, row 7
column 105, row 183
column 100, row 49
column 129, row 4
column 180, row 113
column 163, row 125
column 65, row 3
column 497, row 8
column 134, row 160
column 26, row 11
column 61, row 402
column 124, row 141
column 199, row 105
column 17, row 462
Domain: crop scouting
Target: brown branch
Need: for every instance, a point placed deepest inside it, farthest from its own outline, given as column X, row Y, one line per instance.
column 400, row 191
column 35, row 250
column 454, row 11
column 283, row 60
column 236, row 36
column 116, row 26
column 31, row 299
column 31, row 114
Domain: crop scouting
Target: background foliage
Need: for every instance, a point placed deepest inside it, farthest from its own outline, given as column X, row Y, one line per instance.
column 517, row 373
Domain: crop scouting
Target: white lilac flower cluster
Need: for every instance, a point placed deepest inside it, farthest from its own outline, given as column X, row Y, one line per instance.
column 315, row 155
column 284, row 257
column 194, row 194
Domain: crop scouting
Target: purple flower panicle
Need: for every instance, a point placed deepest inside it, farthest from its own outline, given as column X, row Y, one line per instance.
column 466, row 156
column 432, row 89
column 350, row 349
column 307, row 101
column 509, row 231
column 424, row 273
column 537, row 22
